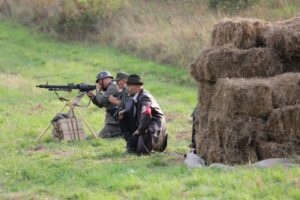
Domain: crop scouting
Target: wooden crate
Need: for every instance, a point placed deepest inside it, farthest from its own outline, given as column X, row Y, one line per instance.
column 71, row 129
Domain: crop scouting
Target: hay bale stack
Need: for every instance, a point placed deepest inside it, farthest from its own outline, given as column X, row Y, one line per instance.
column 226, row 62
column 249, row 105
column 242, row 33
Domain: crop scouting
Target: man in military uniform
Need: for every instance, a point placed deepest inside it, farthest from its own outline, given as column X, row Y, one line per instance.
column 147, row 130
column 123, row 96
column 105, row 88
column 124, row 102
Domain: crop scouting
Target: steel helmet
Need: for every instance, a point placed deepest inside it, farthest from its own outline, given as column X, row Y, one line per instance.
column 102, row 75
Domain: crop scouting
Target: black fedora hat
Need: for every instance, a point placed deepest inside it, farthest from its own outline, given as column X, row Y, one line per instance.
column 134, row 79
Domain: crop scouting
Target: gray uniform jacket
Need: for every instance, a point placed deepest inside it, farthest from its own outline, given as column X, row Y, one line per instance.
column 124, row 97
column 101, row 100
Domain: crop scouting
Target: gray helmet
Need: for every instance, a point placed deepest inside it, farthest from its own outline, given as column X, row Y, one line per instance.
column 102, row 75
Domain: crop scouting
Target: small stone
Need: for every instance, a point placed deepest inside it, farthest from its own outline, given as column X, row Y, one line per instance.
column 193, row 160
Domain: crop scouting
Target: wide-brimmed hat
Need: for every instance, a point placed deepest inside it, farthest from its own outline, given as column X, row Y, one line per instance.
column 120, row 76
column 134, row 79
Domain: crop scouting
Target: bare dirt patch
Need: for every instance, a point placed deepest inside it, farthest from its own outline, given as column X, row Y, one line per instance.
column 183, row 135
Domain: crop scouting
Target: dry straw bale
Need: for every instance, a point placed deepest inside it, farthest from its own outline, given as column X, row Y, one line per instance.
column 229, row 140
column 237, row 94
column 195, row 70
column 225, row 62
column 251, row 97
column 238, row 140
column 274, row 150
column 291, row 64
column 208, row 143
column 284, row 125
column 254, row 96
column 203, row 119
column 205, row 93
column 202, row 138
column 284, row 36
column 286, row 89
column 242, row 33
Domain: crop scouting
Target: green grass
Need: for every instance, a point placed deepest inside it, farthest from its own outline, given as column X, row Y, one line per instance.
column 97, row 168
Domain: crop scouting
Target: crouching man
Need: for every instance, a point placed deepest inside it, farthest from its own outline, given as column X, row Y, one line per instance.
column 145, row 120
column 105, row 88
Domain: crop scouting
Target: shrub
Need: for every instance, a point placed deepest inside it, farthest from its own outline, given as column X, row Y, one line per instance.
column 72, row 19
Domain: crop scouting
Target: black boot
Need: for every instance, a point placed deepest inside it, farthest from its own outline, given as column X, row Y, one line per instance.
column 131, row 144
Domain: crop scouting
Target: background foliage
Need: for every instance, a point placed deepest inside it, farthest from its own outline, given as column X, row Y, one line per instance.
column 168, row 31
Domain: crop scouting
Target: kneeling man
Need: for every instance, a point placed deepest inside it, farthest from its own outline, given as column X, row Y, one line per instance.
column 145, row 120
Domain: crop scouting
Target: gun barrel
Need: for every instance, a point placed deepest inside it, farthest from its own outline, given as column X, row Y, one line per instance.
column 81, row 86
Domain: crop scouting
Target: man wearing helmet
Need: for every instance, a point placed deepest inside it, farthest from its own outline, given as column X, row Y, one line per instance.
column 105, row 88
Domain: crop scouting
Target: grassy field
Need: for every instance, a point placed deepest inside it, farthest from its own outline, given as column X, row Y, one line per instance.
column 97, row 168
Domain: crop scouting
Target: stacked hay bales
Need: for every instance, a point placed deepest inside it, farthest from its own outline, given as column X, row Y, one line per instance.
column 249, row 91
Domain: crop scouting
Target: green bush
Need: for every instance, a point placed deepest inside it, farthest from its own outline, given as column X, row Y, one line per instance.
column 72, row 19
column 79, row 17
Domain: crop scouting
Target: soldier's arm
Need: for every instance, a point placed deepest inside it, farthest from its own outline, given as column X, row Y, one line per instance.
column 95, row 99
column 146, row 114
column 101, row 99
column 121, row 100
column 114, row 100
column 125, row 100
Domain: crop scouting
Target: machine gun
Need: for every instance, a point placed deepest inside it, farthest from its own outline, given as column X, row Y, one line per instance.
column 82, row 87
column 70, row 102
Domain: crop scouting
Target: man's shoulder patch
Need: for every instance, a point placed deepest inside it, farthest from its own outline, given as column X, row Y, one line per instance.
column 146, row 109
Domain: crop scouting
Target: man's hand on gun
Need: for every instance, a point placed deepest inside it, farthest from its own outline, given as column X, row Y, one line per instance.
column 90, row 94
column 98, row 89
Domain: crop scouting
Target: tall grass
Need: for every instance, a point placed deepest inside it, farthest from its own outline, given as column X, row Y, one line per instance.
column 168, row 31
